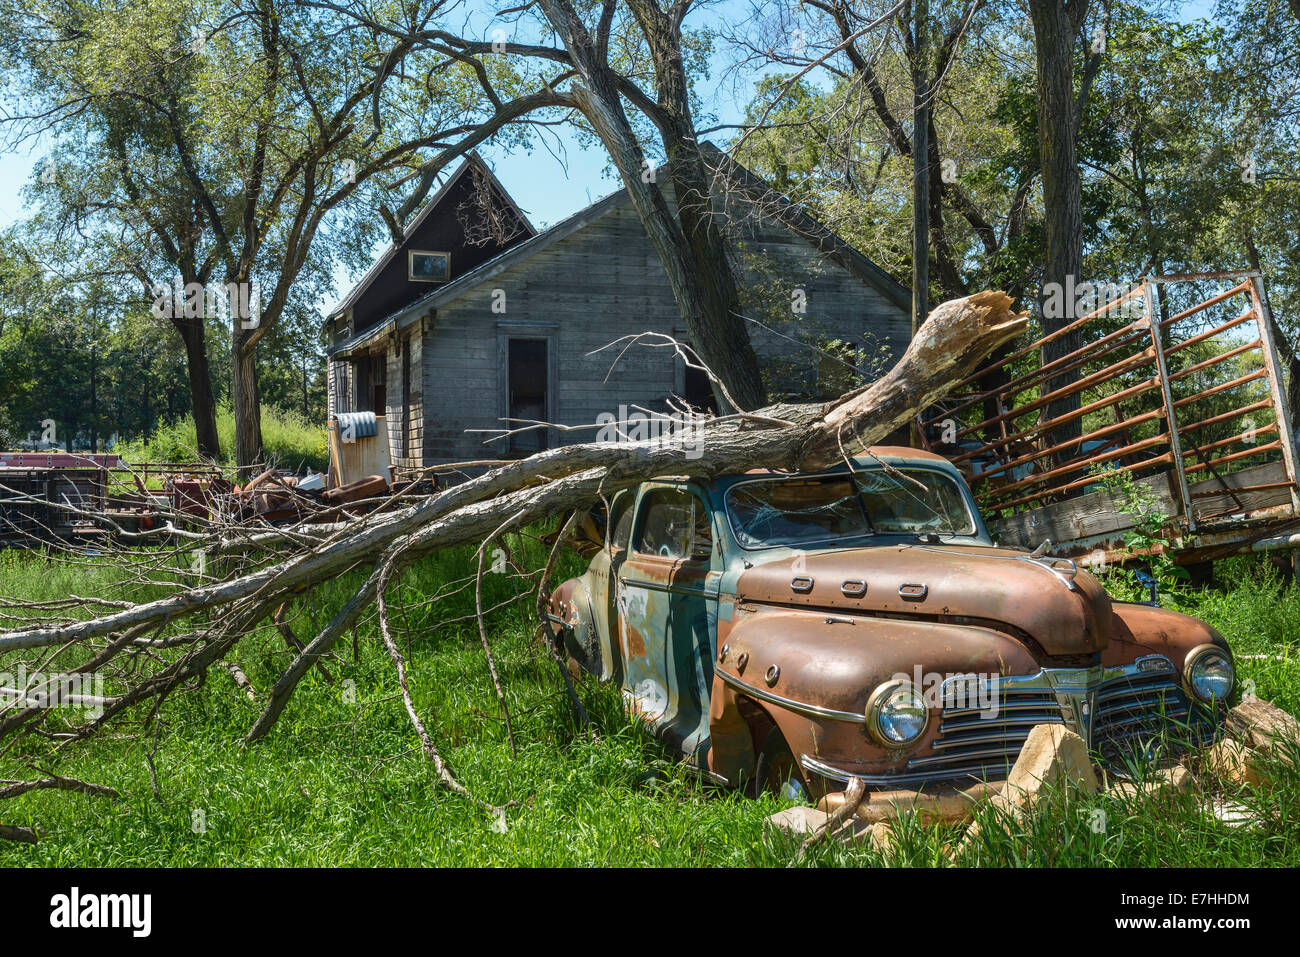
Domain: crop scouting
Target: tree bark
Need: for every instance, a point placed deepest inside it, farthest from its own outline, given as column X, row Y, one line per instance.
column 921, row 159
column 1285, row 347
column 1055, row 25
column 246, row 400
column 193, row 335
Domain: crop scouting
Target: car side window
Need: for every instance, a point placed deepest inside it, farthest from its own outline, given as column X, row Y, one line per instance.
column 622, row 511
column 674, row 524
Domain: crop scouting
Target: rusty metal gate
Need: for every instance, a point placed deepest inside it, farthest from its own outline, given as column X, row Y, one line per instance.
column 1174, row 378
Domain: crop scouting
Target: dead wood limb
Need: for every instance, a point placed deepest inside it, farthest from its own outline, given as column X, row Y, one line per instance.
column 241, row 680
column 955, row 337
column 852, row 798
column 12, row 832
column 290, row 639
column 482, row 631
column 12, row 789
column 426, row 740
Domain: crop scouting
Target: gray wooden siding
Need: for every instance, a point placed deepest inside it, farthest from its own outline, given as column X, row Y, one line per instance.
column 603, row 282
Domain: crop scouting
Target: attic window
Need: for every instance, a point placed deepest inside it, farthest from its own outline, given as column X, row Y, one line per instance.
column 425, row 266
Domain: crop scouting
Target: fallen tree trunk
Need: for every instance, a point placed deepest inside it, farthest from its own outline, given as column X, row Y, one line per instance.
column 948, row 346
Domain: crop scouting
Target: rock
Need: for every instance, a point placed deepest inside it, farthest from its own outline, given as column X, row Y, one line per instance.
column 1231, row 814
column 1260, row 724
column 1173, row 780
column 940, row 806
column 1233, row 761
column 798, row 821
column 1052, row 756
column 880, row 836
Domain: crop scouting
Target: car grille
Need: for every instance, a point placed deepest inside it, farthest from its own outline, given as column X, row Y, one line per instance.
column 1133, row 709
column 1127, row 708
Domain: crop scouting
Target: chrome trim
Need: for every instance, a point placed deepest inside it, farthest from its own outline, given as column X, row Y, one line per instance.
column 1155, row 659
column 801, row 584
column 1195, row 655
column 831, row 773
column 913, row 595
column 772, row 675
column 1065, row 577
column 858, row 589
column 796, row 706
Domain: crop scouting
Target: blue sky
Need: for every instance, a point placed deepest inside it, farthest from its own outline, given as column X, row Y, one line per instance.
column 547, row 187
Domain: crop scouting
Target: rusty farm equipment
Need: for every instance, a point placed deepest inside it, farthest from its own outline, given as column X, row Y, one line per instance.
column 1175, row 379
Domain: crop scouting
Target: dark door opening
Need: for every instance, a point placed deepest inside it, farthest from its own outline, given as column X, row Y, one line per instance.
column 527, row 378
column 372, row 382
column 699, row 390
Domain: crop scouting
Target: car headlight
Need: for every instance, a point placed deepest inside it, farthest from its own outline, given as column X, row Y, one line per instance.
column 1209, row 673
column 896, row 713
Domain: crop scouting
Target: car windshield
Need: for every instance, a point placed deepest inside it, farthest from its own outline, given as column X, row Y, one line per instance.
column 769, row 512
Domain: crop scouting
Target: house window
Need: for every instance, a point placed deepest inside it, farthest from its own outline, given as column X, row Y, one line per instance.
column 425, row 266
column 372, row 384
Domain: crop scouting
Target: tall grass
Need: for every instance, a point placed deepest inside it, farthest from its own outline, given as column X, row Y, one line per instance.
column 288, row 440
column 341, row 780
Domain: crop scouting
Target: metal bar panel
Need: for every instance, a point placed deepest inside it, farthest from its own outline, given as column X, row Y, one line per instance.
column 1287, row 437
column 1162, row 372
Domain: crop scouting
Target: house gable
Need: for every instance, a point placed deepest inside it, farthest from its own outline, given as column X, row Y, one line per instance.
column 472, row 219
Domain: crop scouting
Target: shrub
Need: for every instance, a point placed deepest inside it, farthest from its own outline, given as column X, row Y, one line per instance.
column 289, row 441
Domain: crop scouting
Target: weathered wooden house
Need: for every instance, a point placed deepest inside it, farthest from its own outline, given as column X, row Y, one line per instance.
column 477, row 317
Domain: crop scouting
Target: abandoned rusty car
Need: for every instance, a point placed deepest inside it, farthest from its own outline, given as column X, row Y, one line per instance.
column 792, row 632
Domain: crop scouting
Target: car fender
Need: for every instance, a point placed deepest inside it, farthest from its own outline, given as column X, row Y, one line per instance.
column 813, row 673
column 584, row 629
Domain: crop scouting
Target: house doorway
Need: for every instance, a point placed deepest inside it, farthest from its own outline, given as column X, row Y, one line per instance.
column 528, row 362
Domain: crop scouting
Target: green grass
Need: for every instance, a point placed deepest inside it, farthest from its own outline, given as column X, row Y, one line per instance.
column 288, row 441
column 342, row 782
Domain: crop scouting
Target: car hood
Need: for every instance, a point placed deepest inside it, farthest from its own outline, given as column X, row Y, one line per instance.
column 949, row 582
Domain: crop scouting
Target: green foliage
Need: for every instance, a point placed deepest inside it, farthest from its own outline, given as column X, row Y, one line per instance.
column 289, row 441
column 1140, row 502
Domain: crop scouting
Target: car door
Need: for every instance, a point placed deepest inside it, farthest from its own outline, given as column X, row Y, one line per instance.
column 667, row 584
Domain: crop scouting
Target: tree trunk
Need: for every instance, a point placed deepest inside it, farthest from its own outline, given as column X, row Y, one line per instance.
column 920, row 164
column 690, row 245
column 247, row 402
column 205, row 407
column 1285, row 348
column 1055, row 25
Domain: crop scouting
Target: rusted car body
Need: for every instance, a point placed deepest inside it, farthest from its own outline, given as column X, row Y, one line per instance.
column 796, row 631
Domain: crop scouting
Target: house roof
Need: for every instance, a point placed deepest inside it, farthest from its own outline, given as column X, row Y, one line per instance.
column 471, row 161
column 830, row 245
